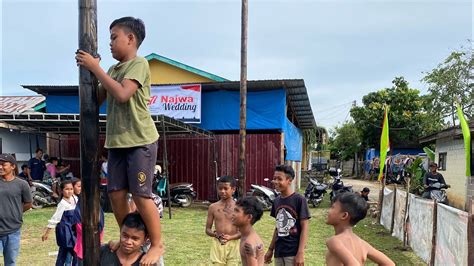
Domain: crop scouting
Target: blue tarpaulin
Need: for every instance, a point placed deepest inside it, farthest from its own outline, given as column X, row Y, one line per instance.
column 66, row 105
column 265, row 111
column 221, row 111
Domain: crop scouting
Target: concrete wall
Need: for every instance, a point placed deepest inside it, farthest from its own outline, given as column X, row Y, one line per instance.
column 455, row 173
column 18, row 143
column 162, row 73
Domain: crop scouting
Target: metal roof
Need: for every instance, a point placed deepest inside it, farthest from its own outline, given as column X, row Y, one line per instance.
column 69, row 124
column 20, row 104
column 296, row 92
column 446, row 133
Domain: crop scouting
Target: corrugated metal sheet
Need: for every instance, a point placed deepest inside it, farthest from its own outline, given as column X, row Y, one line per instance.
column 263, row 154
column 194, row 159
column 19, row 104
column 191, row 159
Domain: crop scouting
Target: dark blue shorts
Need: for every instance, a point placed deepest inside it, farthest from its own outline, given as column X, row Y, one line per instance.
column 132, row 169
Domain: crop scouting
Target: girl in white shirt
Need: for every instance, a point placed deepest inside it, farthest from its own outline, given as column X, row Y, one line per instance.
column 62, row 221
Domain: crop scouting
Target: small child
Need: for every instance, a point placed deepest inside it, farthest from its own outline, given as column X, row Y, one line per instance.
column 247, row 212
column 62, row 221
column 345, row 247
column 291, row 213
column 77, row 223
column 131, row 135
column 225, row 237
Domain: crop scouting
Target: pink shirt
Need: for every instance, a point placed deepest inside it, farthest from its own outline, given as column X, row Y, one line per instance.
column 51, row 169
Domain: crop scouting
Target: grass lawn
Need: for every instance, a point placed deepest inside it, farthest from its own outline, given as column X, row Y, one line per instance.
column 187, row 244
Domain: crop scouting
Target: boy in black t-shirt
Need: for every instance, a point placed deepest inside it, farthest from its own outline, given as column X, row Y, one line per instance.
column 291, row 212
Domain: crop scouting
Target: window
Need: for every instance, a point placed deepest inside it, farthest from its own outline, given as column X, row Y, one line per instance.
column 442, row 161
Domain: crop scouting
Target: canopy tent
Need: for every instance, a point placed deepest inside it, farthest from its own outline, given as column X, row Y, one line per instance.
column 69, row 124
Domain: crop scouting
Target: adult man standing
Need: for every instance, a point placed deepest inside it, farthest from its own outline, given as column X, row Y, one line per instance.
column 15, row 198
column 37, row 166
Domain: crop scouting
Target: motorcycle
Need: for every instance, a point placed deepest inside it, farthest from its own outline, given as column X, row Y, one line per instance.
column 264, row 194
column 337, row 185
column 42, row 195
column 182, row 194
column 315, row 191
column 437, row 192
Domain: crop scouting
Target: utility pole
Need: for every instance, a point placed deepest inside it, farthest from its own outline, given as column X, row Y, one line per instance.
column 243, row 97
column 356, row 157
column 89, row 135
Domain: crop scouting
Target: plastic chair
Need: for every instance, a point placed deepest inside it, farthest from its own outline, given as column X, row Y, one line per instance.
column 161, row 188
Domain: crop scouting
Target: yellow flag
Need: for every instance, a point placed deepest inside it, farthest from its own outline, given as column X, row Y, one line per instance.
column 467, row 139
column 384, row 142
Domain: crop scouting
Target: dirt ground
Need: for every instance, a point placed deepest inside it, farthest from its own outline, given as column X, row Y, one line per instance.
column 358, row 185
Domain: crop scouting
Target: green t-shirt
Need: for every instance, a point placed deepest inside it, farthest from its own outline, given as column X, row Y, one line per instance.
column 129, row 124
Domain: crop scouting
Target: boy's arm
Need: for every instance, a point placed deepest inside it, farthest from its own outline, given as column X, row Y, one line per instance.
column 271, row 247
column 337, row 249
column 210, row 220
column 250, row 260
column 378, row 257
column 122, row 92
column 299, row 259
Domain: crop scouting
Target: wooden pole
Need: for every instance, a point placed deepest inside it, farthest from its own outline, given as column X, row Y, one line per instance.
column 165, row 166
column 393, row 210
column 405, row 219
column 89, row 135
column 382, row 182
column 433, row 238
column 243, row 98
column 470, row 239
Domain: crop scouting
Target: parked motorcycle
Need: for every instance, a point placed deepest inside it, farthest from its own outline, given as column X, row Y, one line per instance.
column 42, row 195
column 264, row 194
column 315, row 191
column 182, row 194
column 337, row 185
column 437, row 192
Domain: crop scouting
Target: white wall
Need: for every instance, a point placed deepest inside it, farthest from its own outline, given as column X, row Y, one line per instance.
column 455, row 173
column 17, row 142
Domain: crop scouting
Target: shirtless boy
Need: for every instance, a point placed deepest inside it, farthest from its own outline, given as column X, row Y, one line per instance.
column 247, row 212
column 225, row 236
column 345, row 247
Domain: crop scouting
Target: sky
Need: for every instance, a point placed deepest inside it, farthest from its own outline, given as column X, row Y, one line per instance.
column 342, row 49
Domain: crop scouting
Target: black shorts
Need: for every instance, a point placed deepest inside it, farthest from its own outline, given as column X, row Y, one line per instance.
column 132, row 169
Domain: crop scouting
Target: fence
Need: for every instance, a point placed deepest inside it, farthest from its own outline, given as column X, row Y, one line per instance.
column 437, row 233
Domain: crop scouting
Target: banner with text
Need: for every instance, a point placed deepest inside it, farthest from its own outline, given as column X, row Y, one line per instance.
column 181, row 102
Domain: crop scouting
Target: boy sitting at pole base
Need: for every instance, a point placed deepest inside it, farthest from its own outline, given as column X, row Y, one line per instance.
column 345, row 247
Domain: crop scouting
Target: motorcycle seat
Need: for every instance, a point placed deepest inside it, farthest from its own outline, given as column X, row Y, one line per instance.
column 179, row 184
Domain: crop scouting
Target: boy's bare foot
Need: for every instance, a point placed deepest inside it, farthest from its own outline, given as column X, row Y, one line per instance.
column 153, row 255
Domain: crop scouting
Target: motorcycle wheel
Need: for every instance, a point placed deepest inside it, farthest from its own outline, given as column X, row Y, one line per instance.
column 36, row 204
column 188, row 202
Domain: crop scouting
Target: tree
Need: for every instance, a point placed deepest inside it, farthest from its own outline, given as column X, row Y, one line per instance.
column 451, row 81
column 345, row 141
column 409, row 118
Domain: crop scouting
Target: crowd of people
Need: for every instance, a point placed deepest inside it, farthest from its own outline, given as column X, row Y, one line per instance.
column 131, row 140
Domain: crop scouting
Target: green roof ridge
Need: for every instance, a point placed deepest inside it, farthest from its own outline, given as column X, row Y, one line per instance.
column 185, row 67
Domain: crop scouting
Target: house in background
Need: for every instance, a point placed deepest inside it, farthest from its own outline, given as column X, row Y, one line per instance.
column 21, row 143
column 277, row 112
column 451, row 160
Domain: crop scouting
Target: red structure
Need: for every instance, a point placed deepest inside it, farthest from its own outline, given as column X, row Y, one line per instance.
column 199, row 160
